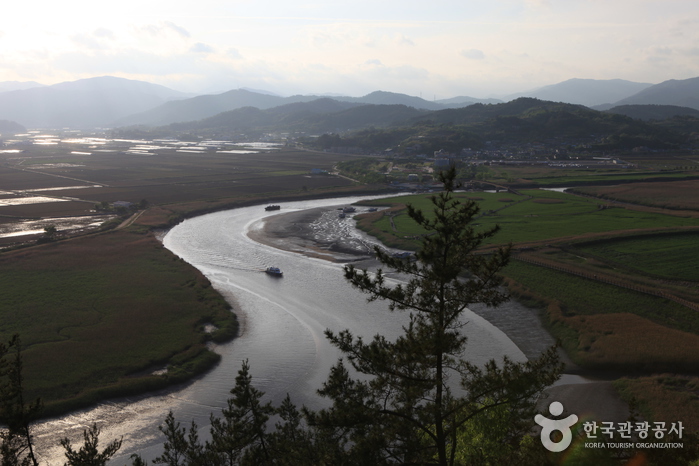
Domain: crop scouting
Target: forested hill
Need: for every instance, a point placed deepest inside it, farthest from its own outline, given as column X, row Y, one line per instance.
column 319, row 116
column 527, row 119
column 523, row 120
column 654, row 112
column 482, row 112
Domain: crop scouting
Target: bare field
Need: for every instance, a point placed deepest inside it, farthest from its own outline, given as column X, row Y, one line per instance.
column 164, row 177
column 49, row 209
column 670, row 195
column 663, row 160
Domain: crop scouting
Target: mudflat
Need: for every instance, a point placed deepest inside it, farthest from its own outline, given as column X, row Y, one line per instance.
column 315, row 232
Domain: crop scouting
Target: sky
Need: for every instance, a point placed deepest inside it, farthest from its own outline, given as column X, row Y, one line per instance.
column 435, row 49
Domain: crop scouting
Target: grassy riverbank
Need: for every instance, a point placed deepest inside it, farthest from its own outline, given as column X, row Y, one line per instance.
column 98, row 315
column 649, row 344
column 604, row 327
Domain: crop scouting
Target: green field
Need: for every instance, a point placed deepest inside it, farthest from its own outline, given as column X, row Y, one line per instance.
column 669, row 256
column 533, row 216
column 602, row 326
column 588, row 297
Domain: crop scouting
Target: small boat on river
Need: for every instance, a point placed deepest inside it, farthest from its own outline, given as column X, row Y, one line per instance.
column 275, row 271
column 273, row 207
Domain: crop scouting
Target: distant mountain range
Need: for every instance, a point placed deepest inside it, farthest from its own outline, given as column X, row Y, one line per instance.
column 577, row 91
column 317, row 116
column 373, row 128
column 683, row 93
column 86, row 103
column 654, row 112
column 464, row 101
column 587, row 92
column 109, row 101
column 10, row 128
column 204, row 106
column 18, row 86
column 209, row 105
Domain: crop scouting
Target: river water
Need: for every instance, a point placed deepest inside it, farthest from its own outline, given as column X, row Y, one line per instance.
column 282, row 332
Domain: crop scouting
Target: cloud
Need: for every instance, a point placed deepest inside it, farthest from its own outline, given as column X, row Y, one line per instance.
column 162, row 28
column 201, row 48
column 234, row 54
column 473, row 54
column 318, row 67
column 537, row 3
column 659, row 54
column 92, row 41
column 313, row 47
column 99, row 39
column 125, row 62
column 192, row 72
column 688, row 22
column 322, row 39
column 375, row 69
column 104, row 33
column 179, row 30
column 406, row 41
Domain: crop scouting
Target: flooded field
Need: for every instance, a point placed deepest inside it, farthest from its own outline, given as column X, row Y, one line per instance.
column 63, row 176
column 29, row 200
column 35, row 227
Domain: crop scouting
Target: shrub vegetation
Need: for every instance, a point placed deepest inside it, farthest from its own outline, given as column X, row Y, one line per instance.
column 99, row 313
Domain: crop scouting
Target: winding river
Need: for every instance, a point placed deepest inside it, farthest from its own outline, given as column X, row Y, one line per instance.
column 282, row 331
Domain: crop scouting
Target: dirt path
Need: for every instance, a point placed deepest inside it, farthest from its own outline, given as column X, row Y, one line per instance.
column 129, row 221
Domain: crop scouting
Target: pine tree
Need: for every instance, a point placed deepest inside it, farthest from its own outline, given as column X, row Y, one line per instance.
column 241, row 434
column 404, row 406
column 89, row 454
column 180, row 448
column 16, row 441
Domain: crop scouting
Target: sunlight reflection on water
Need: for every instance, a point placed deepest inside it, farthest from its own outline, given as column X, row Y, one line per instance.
column 31, row 227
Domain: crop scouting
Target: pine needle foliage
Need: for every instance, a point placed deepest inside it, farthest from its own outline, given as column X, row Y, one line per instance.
column 406, row 401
